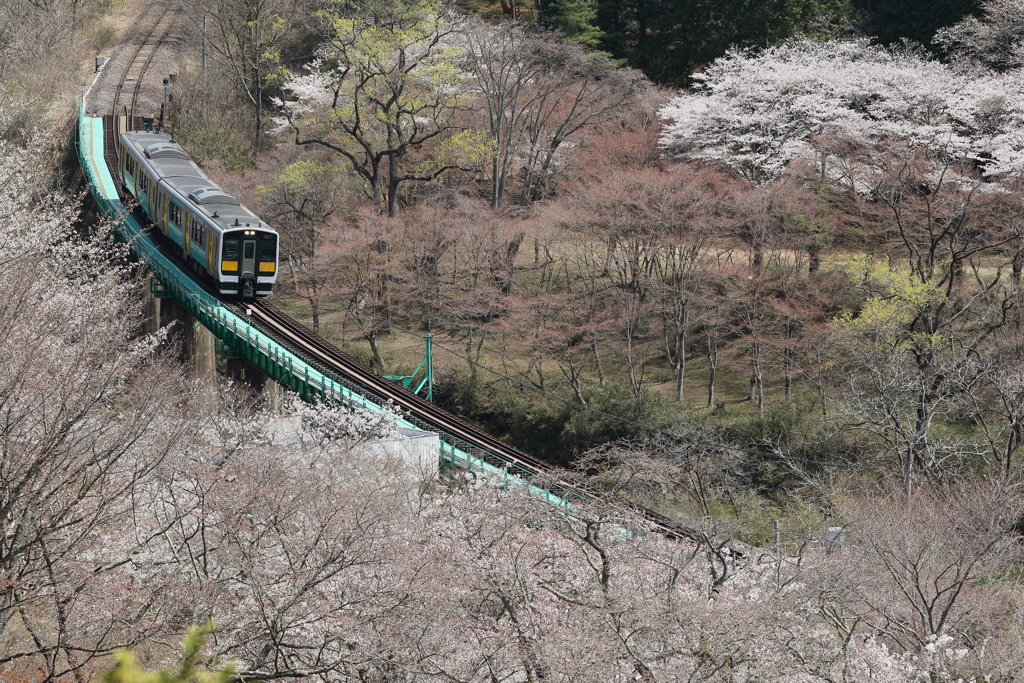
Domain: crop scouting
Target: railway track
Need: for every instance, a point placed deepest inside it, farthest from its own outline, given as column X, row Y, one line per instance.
column 492, row 449
column 123, row 116
column 139, row 63
column 290, row 333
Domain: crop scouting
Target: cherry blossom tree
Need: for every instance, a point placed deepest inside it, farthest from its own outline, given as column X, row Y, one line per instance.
column 89, row 413
column 995, row 39
column 758, row 111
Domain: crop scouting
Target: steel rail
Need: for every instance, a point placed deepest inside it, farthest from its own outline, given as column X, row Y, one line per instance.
column 497, row 452
column 339, row 367
column 134, row 63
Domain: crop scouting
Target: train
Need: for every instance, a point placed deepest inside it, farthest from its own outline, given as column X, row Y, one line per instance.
column 211, row 230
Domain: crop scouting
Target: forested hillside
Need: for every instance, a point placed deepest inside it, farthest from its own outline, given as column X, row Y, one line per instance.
column 755, row 266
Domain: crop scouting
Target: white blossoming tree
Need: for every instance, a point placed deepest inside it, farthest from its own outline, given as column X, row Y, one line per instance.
column 757, row 112
column 995, row 39
column 88, row 412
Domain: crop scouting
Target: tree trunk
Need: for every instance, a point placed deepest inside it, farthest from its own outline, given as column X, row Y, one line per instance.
column 597, row 361
column 378, row 360
column 712, row 356
column 788, row 370
column 680, row 367
column 813, row 259
column 756, row 380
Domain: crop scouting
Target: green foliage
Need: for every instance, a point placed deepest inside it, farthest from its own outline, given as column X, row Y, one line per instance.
column 553, row 430
column 896, row 299
column 395, row 87
column 894, row 20
column 784, row 425
column 192, row 668
column 753, row 519
column 470, row 148
column 668, row 39
column 574, row 18
column 226, row 146
column 584, row 429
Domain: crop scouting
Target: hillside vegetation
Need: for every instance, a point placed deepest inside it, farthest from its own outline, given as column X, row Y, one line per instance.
column 781, row 305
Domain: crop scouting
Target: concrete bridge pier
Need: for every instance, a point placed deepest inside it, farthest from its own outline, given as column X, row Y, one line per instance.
column 196, row 343
column 198, row 348
column 150, row 313
column 241, row 370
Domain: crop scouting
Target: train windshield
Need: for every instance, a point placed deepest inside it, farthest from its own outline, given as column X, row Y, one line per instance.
column 268, row 247
column 231, row 248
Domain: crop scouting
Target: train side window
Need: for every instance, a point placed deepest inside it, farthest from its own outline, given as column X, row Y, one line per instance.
column 174, row 215
column 198, row 230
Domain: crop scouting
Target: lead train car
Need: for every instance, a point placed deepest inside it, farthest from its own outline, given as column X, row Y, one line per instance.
column 214, row 232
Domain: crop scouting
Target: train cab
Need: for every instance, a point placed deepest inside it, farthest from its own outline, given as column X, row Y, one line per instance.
column 211, row 230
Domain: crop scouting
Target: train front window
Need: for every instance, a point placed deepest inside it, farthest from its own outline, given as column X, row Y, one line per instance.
column 250, row 250
column 229, row 261
column 268, row 248
column 268, row 253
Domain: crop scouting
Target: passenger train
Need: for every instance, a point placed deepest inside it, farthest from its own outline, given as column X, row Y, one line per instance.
column 211, row 229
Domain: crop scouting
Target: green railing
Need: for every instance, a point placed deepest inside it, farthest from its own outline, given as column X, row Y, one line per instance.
column 281, row 364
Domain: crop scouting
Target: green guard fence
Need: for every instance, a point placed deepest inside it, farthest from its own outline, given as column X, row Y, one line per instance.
column 247, row 341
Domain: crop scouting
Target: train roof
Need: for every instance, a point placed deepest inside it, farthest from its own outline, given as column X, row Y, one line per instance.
column 173, row 166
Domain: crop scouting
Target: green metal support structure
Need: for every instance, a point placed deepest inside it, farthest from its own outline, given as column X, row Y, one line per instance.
column 241, row 339
column 428, row 378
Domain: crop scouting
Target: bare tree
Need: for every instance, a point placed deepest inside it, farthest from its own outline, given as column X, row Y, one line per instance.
column 303, row 200
column 541, row 95
column 930, row 317
column 246, row 36
column 923, row 557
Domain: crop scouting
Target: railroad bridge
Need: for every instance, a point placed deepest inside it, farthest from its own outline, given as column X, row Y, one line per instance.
column 283, row 350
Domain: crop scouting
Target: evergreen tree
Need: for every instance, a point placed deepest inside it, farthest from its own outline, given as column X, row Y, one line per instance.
column 574, row 18
column 668, row 39
column 891, row 21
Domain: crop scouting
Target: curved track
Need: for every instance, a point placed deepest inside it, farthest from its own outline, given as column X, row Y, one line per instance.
column 322, row 353
column 494, row 450
column 135, row 71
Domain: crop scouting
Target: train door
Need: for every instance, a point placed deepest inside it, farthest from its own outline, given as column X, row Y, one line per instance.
column 248, row 279
column 211, row 243
column 248, row 258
